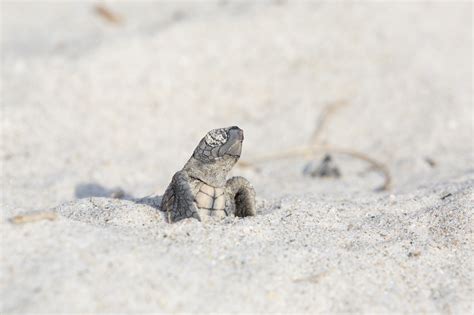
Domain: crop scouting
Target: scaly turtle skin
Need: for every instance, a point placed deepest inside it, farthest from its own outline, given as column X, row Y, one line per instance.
column 200, row 189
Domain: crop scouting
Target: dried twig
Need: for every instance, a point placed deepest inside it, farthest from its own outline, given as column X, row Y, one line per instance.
column 33, row 217
column 311, row 150
column 317, row 147
column 430, row 161
column 446, row 196
column 108, row 15
column 312, row 278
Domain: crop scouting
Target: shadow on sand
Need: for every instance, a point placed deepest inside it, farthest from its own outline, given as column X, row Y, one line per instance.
column 88, row 190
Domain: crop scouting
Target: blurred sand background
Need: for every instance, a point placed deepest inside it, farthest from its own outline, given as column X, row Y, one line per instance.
column 101, row 95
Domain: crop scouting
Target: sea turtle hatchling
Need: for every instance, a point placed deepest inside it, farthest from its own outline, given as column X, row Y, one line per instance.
column 200, row 190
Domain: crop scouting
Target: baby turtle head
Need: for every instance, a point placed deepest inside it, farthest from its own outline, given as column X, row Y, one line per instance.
column 215, row 155
column 218, row 144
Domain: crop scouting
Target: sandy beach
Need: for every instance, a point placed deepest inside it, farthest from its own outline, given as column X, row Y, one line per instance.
column 102, row 103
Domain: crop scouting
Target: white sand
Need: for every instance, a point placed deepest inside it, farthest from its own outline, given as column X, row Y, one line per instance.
column 88, row 106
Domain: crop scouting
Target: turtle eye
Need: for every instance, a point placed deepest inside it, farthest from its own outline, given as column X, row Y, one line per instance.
column 216, row 137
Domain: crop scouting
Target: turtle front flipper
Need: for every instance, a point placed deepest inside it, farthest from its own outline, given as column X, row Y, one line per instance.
column 178, row 200
column 241, row 197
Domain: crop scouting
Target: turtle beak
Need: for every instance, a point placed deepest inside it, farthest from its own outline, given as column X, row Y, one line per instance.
column 236, row 133
column 233, row 146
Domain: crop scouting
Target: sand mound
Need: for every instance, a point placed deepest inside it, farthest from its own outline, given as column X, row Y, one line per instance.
column 407, row 252
column 111, row 212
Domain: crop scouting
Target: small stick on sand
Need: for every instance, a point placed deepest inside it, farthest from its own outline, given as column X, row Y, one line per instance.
column 446, row 196
column 108, row 15
column 311, row 150
column 33, row 217
column 317, row 147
